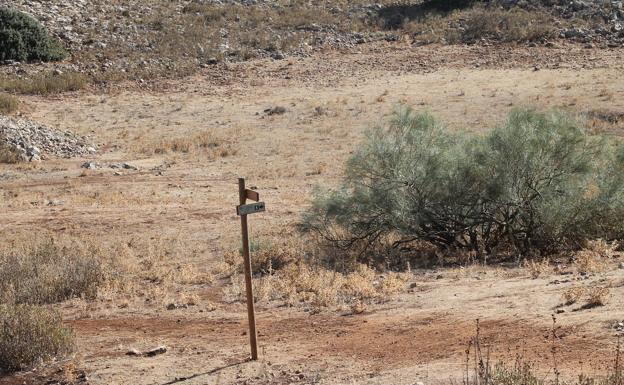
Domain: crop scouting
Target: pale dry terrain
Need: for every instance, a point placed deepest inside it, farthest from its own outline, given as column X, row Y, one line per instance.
column 185, row 202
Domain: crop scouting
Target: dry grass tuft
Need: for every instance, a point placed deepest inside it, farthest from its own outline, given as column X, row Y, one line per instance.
column 8, row 103
column 8, row 154
column 594, row 296
column 29, row 335
column 597, row 296
column 205, row 144
column 40, row 270
column 479, row 22
column 266, row 258
column 515, row 25
column 44, row 83
column 573, row 295
column 537, row 269
column 589, row 261
column 317, row 288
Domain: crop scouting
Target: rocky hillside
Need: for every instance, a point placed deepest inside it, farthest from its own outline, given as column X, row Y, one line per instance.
column 139, row 40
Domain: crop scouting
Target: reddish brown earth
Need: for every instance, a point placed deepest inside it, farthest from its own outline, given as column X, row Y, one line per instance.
column 419, row 335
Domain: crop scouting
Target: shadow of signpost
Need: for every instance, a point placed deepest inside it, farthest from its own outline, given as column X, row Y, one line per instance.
column 213, row 371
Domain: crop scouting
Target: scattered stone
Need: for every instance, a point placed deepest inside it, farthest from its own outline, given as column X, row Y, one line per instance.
column 173, row 306
column 278, row 110
column 34, row 141
column 148, row 353
column 128, row 166
column 278, row 55
column 89, row 165
column 78, row 25
column 156, row 351
column 133, row 352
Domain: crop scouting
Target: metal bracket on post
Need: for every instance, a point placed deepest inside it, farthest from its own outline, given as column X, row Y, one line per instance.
column 243, row 210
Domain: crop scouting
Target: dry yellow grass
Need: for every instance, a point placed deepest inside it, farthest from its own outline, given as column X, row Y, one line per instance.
column 537, row 268
column 8, row 154
column 514, row 25
column 8, row 103
column 44, row 268
column 594, row 258
column 573, row 294
column 597, row 296
column 43, row 83
column 204, row 144
column 594, row 296
column 317, row 288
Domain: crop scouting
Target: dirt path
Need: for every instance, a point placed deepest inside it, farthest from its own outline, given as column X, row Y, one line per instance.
column 329, row 101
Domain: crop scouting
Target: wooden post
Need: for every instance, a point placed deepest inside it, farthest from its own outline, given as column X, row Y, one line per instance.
column 247, row 263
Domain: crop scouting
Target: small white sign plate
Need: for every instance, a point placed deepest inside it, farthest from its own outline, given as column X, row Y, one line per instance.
column 250, row 208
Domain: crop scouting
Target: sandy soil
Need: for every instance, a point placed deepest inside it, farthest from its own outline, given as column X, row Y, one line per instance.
column 330, row 99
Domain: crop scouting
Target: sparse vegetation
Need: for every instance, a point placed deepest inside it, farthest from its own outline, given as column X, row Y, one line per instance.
column 594, row 296
column 594, row 257
column 514, row 25
column 8, row 154
column 537, row 268
column 23, row 38
column 597, row 296
column 8, row 103
column 481, row 369
column 205, row 144
column 481, row 22
column 536, row 184
column 316, row 288
column 48, row 271
column 289, row 271
column 43, row 83
column 29, row 335
column 573, row 295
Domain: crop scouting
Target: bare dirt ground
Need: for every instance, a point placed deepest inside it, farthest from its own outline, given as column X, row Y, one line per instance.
column 330, row 99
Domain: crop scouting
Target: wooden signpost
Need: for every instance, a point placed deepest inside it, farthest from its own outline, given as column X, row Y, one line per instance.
column 243, row 210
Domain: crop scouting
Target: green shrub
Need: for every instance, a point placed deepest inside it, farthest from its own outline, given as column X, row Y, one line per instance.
column 30, row 335
column 23, row 38
column 537, row 183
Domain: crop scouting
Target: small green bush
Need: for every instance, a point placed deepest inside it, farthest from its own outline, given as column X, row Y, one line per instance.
column 30, row 335
column 23, row 38
column 534, row 185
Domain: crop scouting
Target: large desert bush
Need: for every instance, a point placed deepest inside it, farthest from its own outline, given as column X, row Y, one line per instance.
column 23, row 38
column 536, row 184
